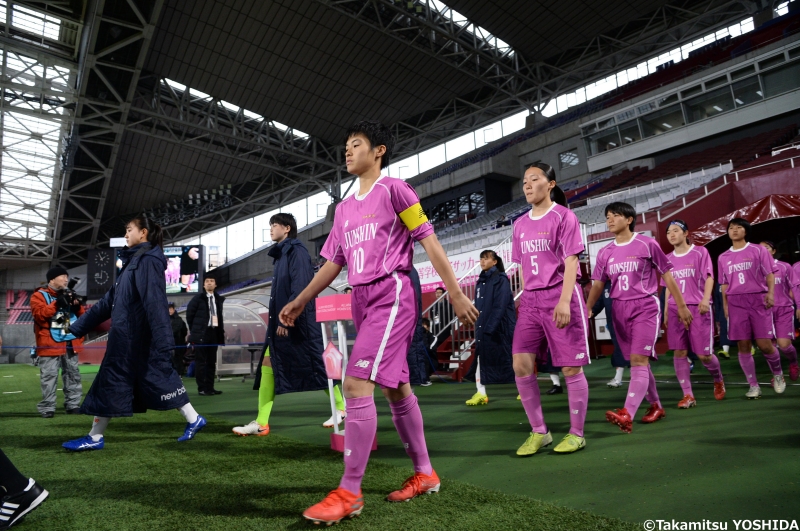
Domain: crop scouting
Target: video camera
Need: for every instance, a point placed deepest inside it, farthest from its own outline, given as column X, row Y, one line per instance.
column 68, row 299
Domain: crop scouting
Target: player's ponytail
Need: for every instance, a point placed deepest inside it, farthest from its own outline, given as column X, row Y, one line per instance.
column 557, row 195
column 154, row 233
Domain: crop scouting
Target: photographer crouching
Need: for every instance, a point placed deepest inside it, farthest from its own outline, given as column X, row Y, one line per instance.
column 52, row 306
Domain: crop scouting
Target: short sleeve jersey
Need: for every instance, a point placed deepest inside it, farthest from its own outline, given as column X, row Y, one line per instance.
column 796, row 279
column 690, row 271
column 540, row 245
column 784, row 284
column 374, row 234
column 745, row 270
column 634, row 267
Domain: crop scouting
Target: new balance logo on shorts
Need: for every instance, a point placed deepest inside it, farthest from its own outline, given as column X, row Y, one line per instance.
column 632, row 395
column 574, row 411
column 580, row 356
column 347, row 452
column 362, row 364
column 648, row 347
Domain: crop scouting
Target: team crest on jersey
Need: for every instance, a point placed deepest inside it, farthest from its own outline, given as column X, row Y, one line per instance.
column 346, row 223
column 522, row 235
column 611, row 259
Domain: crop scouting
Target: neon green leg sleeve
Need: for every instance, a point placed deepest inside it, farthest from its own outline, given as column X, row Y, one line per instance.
column 337, row 397
column 266, row 395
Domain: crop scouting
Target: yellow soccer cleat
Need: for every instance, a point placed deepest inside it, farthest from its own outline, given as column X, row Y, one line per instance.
column 478, row 399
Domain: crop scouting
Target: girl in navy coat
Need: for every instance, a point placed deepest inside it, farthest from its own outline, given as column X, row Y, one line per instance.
column 136, row 373
column 494, row 329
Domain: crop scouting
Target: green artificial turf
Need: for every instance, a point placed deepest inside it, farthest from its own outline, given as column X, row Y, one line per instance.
column 144, row 479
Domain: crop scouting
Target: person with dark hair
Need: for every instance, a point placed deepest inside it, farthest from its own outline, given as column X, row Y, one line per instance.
column 52, row 307
column 348, row 290
column 747, row 275
column 633, row 262
column 783, row 310
column 373, row 234
column 179, row 333
column 418, row 351
column 18, row 495
column 292, row 358
column 694, row 273
column 204, row 315
column 136, row 373
column 546, row 242
column 494, row 329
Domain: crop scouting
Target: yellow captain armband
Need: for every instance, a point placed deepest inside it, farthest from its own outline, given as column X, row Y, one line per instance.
column 413, row 216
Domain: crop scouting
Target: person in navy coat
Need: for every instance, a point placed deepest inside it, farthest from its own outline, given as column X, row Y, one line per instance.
column 136, row 373
column 494, row 329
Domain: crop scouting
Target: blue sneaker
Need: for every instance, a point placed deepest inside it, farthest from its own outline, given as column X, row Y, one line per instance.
column 84, row 443
column 192, row 429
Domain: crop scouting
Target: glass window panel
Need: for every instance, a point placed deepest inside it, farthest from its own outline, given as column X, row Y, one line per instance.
column 458, row 146
column 591, row 128
column 781, row 79
column 747, row 91
column 240, row 238
column 298, row 210
column 669, row 100
column 794, row 53
column 691, row 92
column 716, row 82
column 430, row 158
column 603, row 141
column 515, row 123
column 743, row 72
column 404, row 169
column 318, row 206
column 602, row 124
column 772, row 61
column 568, row 158
column 629, row 132
column 709, row 104
column 645, row 108
column 662, row 121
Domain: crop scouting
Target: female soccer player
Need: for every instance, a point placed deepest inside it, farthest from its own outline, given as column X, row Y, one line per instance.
column 783, row 311
column 633, row 263
column 495, row 327
column 746, row 274
column 373, row 235
column 136, row 373
column 694, row 274
column 546, row 243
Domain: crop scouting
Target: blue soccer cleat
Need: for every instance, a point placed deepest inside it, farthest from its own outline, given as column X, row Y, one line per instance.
column 84, row 443
column 192, row 429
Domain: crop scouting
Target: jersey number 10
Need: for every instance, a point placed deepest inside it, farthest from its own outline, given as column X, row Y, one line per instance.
column 358, row 259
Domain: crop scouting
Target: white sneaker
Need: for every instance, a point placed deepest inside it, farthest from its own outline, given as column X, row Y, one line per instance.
column 754, row 392
column 779, row 384
column 340, row 416
column 254, row 428
column 614, row 383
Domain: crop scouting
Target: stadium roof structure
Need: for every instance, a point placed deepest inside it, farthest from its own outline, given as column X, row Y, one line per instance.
column 208, row 112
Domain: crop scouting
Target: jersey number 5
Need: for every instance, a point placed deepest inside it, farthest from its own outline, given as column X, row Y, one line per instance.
column 534, row 265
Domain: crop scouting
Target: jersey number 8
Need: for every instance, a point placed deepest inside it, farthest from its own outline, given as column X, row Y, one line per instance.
column 741, row 278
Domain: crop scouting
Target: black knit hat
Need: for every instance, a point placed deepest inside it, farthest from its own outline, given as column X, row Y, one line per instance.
column 56, row 271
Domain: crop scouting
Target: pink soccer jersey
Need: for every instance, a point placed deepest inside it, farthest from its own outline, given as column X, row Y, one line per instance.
column 373, row 235
column 784, row 284
column 796, row 279
column 745, row 270
column 690, row 271
column 634, row 268
column 540, row 245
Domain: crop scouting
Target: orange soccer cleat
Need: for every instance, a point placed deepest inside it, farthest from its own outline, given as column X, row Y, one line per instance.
column 687, row 402
column 417, row 484
column 621, row 418
column 719, row 390
column 655, row 412
column 338, row 504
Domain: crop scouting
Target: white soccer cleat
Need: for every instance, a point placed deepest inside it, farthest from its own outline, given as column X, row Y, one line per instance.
column 779, row 383
column 253, row 428
column 754, row 392
column 340, row 416
column 614, row 383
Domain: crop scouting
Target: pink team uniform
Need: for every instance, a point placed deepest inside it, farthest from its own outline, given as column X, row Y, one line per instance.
column 690, row 271
column 634, row 269
column 373, row 235
column 745, row 272
column 783, row 310
column 540, row 245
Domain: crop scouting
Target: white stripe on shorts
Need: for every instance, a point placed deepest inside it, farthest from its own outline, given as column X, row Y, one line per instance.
column 711, row 333
column 658, row 323
column 583, row 322
column 389, row 325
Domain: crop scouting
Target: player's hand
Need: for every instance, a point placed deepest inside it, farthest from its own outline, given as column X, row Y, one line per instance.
column 290, row 313
column 725, row 311
column 282, row 331
column 769, row 300
column 685, row 316
column 591, row 314
column 561, row 314
column 704, row 307
column 466, row 312
column 666, row 313
column 194, row 253
column 797, row 314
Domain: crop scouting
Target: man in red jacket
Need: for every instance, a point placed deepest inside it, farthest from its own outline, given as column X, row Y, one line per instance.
column 51, row 305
